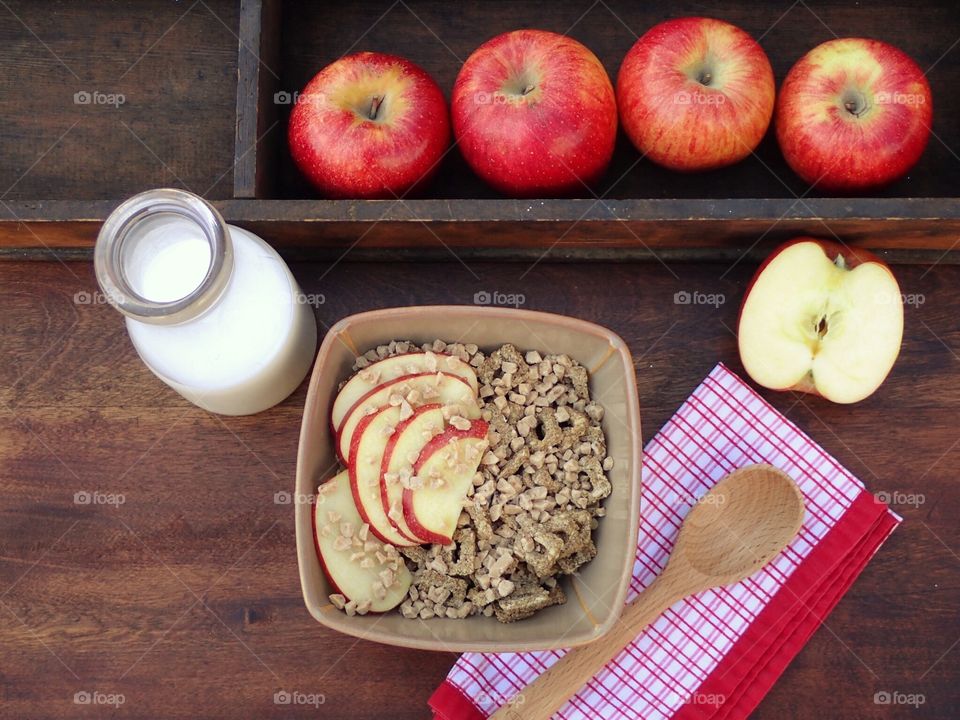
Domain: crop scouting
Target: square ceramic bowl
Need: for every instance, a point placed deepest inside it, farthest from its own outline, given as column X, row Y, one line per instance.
column 597, row 592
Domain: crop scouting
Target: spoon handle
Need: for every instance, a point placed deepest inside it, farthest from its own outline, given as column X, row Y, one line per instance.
column 545, row 695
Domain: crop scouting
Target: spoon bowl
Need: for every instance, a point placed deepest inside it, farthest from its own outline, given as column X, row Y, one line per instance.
column 740, row 525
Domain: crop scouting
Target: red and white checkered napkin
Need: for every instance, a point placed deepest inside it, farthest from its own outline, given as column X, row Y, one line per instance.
column 717, row 654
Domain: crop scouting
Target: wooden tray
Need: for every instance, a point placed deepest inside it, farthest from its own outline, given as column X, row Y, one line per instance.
column 200, row 115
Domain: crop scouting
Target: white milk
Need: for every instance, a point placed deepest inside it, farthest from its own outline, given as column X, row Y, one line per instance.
column 248, row 351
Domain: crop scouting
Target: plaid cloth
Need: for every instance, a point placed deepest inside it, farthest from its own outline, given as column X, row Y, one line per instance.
column 717, row 654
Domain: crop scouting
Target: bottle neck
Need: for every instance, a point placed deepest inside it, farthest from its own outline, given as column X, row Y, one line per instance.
column 163, row 257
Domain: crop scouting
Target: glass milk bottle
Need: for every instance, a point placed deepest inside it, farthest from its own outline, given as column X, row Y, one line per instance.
column 211, row 309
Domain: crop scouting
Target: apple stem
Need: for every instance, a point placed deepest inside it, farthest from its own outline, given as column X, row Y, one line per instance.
column 375, row 107
column 705, row 78
column 855, row 104
column 528, row 89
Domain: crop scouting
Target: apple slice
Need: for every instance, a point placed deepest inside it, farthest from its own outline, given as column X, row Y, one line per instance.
column 821, row 318
column 363, row 466
column 403, row 450
column 443, row 388
column 447, row 465
column 353, row 565
column 391, row 368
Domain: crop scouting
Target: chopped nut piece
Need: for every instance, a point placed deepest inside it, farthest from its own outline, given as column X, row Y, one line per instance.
column 338, row 601
column 460, row 423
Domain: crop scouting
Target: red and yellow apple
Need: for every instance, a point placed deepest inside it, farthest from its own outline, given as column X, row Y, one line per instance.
column 534, row 114
column 695, row 94
column 403, row 450
column 821, row 318
column 443, row 388
column 451, row 458
column 363, row 467
column 369, row 126
column 358, row 581
column 372, row 377
column 853, row 114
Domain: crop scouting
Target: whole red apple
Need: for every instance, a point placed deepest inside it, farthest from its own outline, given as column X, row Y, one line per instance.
column 534, row 114
column 822, row 318
column 695, row 94
column 853, row 114
column 369, row 126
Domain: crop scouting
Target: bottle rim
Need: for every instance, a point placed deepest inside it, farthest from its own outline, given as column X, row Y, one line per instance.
column 120, row 228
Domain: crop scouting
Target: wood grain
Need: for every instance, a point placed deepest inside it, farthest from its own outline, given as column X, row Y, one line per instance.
column 112, row 590
column 175, row 64
column 257, row 143
column 908, row 230
column 200, row 111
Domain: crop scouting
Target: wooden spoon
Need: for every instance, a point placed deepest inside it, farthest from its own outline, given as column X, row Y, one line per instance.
column 739, row 526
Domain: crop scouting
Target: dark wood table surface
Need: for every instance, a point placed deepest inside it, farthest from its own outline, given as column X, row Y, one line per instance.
column 184, row 598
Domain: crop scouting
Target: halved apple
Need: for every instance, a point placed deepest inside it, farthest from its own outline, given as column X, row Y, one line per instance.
column 821, row 318
column 391, row 368
column 363, row 466
column 447, row 465
column 357, row 568
column 444, row 388
column 402, row 452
